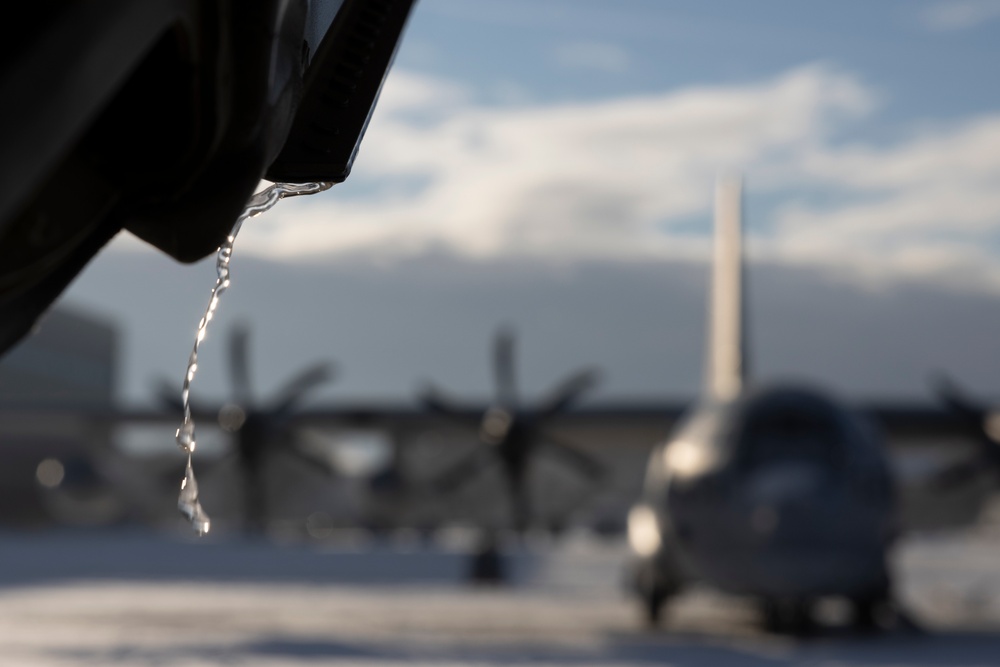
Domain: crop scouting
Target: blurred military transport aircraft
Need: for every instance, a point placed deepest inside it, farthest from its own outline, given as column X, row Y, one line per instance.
column 390, row 466
column 385, row 466
column 779, row 492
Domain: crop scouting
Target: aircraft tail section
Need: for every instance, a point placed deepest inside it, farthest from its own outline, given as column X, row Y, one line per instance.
column 726, row 368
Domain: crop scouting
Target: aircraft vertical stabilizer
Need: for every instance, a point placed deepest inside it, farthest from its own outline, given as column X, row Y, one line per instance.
column 726, row 362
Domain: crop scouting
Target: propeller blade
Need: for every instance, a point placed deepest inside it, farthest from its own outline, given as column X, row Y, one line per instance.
column 459, row 473
column 168, row 396
column 299, row 385
column 239, row 363
column 387, row 480
column 171, row 475
column 300, row 453
column 569, row 391
column 973, row 414
column 957, row 400
column 503, row 367
column 959, row 474
column 521, row 512
column 570, row 454
column 436, row 401
column 210, row 466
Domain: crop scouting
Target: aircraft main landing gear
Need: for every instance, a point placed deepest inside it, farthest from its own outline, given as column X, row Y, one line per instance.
column 487, row 565
column 788, row 616
column 653, row 602
column 653, row 592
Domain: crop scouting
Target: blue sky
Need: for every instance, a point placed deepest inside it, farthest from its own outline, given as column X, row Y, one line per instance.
column 570, row 139
column 937, row 67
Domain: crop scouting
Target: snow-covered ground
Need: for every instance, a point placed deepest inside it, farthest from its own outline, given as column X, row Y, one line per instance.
column 131, row 599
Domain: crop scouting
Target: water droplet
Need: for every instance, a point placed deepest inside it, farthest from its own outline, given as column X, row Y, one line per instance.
column 187, row 502
column 185, row 437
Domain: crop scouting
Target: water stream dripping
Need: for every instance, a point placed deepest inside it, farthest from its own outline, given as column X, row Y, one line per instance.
column 187, row 501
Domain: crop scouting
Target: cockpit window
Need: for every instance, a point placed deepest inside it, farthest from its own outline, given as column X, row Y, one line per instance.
column 791, row 433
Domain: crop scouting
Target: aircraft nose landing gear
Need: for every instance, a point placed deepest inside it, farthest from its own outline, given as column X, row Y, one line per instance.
column 791, row 616
column 487, row 564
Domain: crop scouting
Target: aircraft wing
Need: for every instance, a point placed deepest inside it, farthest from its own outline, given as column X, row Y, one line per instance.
column 625, row 416
column 942, row 479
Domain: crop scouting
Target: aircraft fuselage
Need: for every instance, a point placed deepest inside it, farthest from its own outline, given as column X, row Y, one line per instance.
column 780, row 492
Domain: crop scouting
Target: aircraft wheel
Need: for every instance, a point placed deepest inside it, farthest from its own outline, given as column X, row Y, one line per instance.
column 487, row 566
column 653, row 584
column 867, row 613
column 653, row 602
column 875, row 611
column 788, row 616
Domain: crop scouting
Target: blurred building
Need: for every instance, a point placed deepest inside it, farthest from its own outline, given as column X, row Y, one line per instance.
column 56, row 394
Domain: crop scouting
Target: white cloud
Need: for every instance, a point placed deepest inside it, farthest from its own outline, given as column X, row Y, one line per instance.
column 568, row 181
column 928, row 207
column 959, row 14
column 631, row 178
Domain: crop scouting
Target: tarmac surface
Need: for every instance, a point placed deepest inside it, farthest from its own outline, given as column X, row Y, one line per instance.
column 136, row 599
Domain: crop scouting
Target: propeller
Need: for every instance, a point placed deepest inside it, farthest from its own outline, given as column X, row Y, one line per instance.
column 459, row 473
column 436, row 401
column 239, row 363
column 503, row 368
column 294, row 391
column 568, row 392
column 980, row 422
column 265, row 429
column 511, row 435
column 584, row 464
column 168, row 396
column 259, row 429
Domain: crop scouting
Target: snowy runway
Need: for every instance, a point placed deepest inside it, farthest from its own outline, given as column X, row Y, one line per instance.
column 132, row 600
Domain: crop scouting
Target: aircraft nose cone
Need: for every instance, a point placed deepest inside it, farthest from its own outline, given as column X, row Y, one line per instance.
column 784, row 483
column 764, row 520
column 778, row 492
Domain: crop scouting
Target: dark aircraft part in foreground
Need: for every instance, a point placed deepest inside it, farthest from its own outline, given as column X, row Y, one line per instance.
column 161, row 117
column 511, row 435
